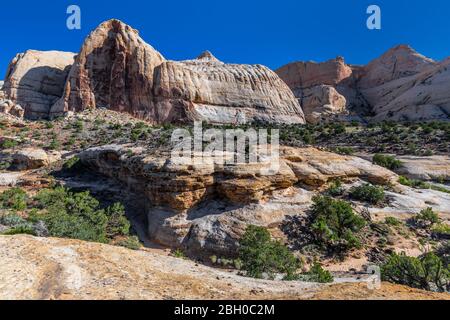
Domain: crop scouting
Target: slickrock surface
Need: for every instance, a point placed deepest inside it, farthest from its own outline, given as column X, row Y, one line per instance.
column 47, row 268
column 117, row 70
column 35, row 80
column 400, row 85
column 425, row 168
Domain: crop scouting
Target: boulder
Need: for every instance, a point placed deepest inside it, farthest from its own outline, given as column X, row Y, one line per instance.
column 35, row 80
column 117, row 70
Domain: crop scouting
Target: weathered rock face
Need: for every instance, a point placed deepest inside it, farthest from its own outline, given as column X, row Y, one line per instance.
column 399, row 62
column 29, row 158
column 225, row 93
column 35, row 80
column 401, row 85
column 117, row 70
column 207, row 207
column 324, row 90
column 424, row 96
column 9, row 107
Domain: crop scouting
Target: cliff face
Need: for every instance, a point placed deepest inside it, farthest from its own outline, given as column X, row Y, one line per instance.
column 35, row 80
column 113, row 70
column 401, row 85
column 117, row 70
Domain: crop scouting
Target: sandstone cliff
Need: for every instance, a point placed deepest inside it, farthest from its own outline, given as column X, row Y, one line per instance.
column 117, row 70
column 401, row 85
column 35, row 80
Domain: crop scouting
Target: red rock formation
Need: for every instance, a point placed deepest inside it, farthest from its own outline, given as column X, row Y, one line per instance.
column 117, row 70
column 400, row 85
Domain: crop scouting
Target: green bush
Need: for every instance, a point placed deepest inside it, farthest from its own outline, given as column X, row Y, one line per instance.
column 18, row 225
column 441, row 229
column 260, row 255
column 427, row 218
column 335, row 189
column 426, row 272
column 118, row 224
column 318, row 274
column 72, row 163
column 368, row 193
column 9, row 143
column 344, row 150
column 386, row 161
column 392, row 221
column 78, row 216
column 334, row 224
column 20, row 229
column 131, row 242
column 14, row 199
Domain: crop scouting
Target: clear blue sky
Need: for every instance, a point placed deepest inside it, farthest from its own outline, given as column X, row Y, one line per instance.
column 242, row 31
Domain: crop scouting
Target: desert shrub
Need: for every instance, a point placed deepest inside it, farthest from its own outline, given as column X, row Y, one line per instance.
column 54, row 144
column 14, row 199
column 368, row 193
column 334, row 224
column 386, row 161
column 425, row 272
column 335, row 188
column 426, row 218
column 178, row 253
column 118, row 224
column 260, row 255
column 131, row 242
column 17, row 224
column 392, row 221
column 318, row 274
column 419, row 184
column 9, row 143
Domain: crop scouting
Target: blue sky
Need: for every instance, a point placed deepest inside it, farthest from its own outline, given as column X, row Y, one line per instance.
column 242, row 31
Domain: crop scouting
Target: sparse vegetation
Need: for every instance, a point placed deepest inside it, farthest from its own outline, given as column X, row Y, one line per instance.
column 263, row 257
column 387, row 161
column 392, row 221
column 317, row 274
column 427, row 272
column 14, row 199
column 368, row 193
column 334, row 224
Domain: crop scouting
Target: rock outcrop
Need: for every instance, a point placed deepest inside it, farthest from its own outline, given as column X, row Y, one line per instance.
column 62, row 269
column 401, row 85
column 206, row 207
column 35, row 80
column 117, row 70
